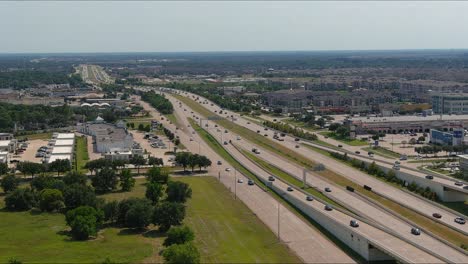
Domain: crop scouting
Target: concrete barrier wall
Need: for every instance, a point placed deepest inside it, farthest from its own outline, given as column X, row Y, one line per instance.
column 355, row 241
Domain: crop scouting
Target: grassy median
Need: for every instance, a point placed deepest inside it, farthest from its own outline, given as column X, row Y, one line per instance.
column 81, row 153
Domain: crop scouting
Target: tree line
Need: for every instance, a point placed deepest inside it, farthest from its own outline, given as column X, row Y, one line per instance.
column 286, row 128
column 187, row 159
column 161, row 103
column 32, row 79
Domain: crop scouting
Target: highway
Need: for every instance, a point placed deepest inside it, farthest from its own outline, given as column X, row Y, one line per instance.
column 370, row 232
column 303, row 239
column 416, row 203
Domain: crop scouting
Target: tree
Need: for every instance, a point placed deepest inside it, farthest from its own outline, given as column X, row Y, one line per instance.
column 138, row 161
column 185, row 253
column 60, row 165
column 46, row 182
column 204, row 162
column 3, row 169
column 178, row 192
column 157, row 174
column 51, row 200
column 123, row 208
column 75, row 177
column 96, row 165
column 193, row 160
column 84, row 222
column 32, row 168
column 182, row 158
column 111, row 211
column 168, row 214
column 320, row 122
column 153, row 161
column 154, row 191
column 77, row 195
column 179, row 235
column 105, row 180
column 9, row 183
column 342, row 131
column 334, row 126
column 20, row 199
column 127, row 182
column 139, row 214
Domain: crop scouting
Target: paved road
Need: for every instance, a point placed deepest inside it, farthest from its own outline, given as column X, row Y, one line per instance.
column 418, row 204
column 307, row 242
column 390, row 242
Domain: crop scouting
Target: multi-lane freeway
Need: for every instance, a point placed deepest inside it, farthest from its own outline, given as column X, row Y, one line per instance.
column 431, row 244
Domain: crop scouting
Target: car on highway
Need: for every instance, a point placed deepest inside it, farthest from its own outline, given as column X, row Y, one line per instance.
column 266, row 129
column 271, row 178
column 465, row 187
column 225, row 143
column 296, row 139
column 437, row 215
column 458, row 183
column 258, row 131
column 228, row 169
column 340, row 146
column 460, row 220
column 282, row 134
column 415, row 231
column 240, row 180
column 327, row 189
column 290, row 189
column 429, row 177
column 297, row 146
column 396, row 167
column 238, row 138
column 250, row 182
column 357, row 152
column 328, row 207
column 225, row 131
column 248, row 123
column 266, row 135
column 354, row 223
column 397, row 162
column 219, row 162
column 309, row 198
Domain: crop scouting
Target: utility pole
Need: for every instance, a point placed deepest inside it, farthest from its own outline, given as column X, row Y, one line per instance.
column 235, row 185
column 279, row 237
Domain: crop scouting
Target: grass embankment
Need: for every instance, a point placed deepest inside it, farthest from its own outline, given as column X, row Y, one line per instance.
column 33, row 136
column 423, row 221
column 386, row 153
column 81, row 153
column 172, row 118
column 351, row 142
column 226, row 231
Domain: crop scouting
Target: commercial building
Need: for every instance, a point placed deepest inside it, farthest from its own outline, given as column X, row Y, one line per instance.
column 6, row 136
column 399, row 124
column 108, row 137
column 8, row 145
column 61, row 147
column 452, row 138
column 450, row 103
column 3, row 157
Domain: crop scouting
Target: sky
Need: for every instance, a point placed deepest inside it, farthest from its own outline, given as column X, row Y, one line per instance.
column 160, row 26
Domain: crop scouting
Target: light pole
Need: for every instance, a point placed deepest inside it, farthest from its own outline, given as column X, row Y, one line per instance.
column 279, row 237
column 235, row 185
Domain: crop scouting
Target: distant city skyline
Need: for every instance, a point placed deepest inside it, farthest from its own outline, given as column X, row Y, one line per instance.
column 95, row 27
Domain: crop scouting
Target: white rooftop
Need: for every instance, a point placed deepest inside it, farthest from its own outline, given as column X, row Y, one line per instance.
column 4, row 143
column 3, row 153
column 65, row 136
column 59, row 157
column 62, row 150
column 64, row 142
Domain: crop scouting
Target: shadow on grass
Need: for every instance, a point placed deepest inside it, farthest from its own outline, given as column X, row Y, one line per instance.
column 154, row 234
column 189, row 173
column 132, row 231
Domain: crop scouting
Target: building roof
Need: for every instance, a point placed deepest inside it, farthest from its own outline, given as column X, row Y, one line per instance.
column 64, row 142
column 58, row 157
column 62, row 150
column 65, row 136
column 4, row 143
column 106, row 133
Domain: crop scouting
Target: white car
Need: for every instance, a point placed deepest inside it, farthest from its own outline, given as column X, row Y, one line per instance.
column 228, row 169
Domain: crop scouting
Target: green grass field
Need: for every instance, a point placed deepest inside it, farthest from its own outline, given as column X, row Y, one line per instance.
column 383, row 152
column 33, row 136
column 351, row 142
column 226, row 231
column 81, row 152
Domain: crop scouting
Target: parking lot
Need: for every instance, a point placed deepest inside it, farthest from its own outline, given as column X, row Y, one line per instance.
column 30, row 153
column 155, row 152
